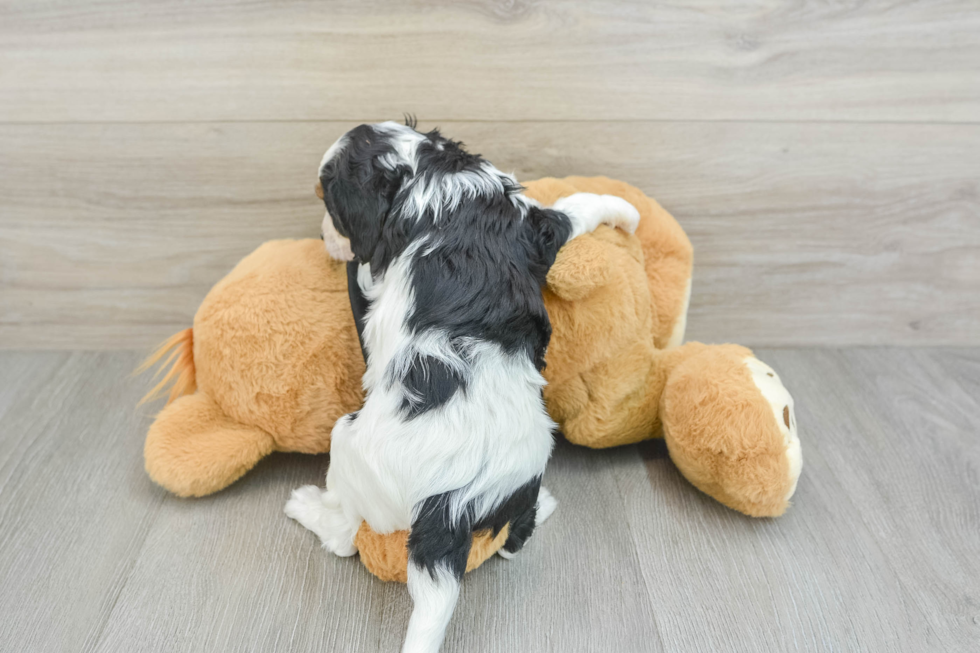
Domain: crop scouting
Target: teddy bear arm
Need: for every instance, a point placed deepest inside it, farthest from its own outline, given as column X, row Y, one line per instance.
column 582, row 266
column 665, row 250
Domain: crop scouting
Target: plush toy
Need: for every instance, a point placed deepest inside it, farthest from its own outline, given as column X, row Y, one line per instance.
column 273, row 360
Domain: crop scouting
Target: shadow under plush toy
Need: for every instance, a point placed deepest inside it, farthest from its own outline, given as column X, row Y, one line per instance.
column 273, row 361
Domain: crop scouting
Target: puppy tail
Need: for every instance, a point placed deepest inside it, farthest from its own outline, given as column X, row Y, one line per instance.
column 438, row 546
column 180, row 360
column 434, row 594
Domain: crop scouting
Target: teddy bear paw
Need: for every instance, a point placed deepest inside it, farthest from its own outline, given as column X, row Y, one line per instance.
column 781, row 403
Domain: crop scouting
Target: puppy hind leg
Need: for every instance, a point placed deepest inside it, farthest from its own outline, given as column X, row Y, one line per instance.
column 545, row 506
column 438, row 546
column 530, row 506
column 322, row 513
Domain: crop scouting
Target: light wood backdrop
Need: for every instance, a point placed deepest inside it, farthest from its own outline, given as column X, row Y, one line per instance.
column 824, row 157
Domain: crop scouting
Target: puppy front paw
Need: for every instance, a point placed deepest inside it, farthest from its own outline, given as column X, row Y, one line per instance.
column 619, row 213
column 586, row 211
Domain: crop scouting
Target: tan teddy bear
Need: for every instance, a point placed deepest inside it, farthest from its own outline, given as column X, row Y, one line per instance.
column 273, row 360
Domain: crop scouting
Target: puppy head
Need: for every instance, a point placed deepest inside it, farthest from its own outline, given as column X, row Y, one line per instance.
column 358, row 179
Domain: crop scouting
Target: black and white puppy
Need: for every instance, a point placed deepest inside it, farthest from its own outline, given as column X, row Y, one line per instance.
column 448, row 260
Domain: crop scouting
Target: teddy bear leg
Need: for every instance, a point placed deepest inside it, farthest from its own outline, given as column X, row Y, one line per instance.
column 730, row 429
column 194, row 449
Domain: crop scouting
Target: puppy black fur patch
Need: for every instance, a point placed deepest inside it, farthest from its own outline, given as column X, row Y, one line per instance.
column 429, row 383
column 436, row 538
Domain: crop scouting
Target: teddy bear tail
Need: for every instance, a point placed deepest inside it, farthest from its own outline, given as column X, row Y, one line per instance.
column 193, row 448
column 180, row 348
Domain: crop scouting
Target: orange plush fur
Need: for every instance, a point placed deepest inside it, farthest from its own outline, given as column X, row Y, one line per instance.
column 276, row 361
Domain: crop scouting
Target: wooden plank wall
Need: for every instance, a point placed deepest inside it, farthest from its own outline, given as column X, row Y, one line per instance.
column 824, row 157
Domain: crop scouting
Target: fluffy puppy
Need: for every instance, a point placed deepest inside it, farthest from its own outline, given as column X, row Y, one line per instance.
column 447, row 262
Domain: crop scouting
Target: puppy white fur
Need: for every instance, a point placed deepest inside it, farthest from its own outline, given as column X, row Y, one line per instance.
column 453, row 437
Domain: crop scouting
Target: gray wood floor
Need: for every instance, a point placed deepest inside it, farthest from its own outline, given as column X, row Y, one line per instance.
column 880, row 552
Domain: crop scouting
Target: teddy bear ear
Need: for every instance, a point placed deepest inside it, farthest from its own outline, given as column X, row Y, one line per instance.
column 582, row 266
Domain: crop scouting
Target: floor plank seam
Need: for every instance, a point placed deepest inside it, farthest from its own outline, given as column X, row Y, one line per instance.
column 634, row 549
column 95, row 637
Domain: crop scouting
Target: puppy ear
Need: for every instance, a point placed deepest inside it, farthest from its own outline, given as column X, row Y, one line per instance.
column 548, row 230
column 359, row 215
